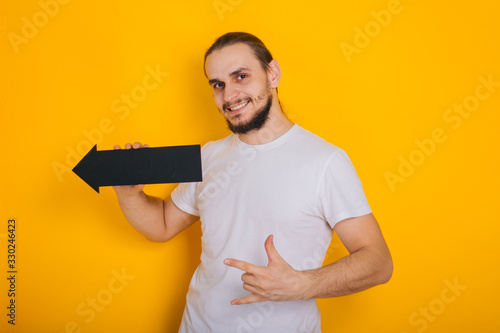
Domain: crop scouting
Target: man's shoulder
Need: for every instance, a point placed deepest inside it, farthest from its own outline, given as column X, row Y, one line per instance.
column 218, row 143
column 314, row 143
column 216, row 147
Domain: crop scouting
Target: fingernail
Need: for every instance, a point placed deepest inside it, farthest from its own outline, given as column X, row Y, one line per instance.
column 226, row 261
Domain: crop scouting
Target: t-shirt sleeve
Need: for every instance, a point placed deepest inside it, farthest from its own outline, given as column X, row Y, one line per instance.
column 341, row 194
column 184, row 196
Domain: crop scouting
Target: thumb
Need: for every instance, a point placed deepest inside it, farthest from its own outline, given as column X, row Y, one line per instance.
column 272, row 255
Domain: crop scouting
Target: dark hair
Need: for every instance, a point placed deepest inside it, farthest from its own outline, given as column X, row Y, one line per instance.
column 259, row 49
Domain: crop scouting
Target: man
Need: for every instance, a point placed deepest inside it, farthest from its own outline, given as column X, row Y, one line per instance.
column 271, row 196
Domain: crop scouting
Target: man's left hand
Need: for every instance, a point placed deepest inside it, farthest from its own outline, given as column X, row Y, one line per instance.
column 277, row 281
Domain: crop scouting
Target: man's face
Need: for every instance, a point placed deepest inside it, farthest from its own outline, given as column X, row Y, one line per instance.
column 241, row 87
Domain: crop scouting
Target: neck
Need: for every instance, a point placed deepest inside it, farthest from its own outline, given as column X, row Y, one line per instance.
column 276, row 125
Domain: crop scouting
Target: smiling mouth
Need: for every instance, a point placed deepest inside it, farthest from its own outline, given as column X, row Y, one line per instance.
column 238, row 106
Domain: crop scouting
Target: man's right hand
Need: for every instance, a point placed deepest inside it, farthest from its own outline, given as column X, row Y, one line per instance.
column 130, row 190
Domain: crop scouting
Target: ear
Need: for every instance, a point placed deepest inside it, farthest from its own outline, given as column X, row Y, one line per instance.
column 274, row 73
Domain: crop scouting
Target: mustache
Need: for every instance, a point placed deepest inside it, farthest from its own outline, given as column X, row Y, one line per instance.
column 225, row 106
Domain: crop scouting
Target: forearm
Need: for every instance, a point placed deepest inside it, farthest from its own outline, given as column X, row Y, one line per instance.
column 358, row 271
column 144, row 213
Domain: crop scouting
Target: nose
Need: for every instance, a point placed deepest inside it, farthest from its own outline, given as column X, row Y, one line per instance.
column 230, row 92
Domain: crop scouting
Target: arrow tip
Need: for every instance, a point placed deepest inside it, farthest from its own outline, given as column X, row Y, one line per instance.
column 84, row 168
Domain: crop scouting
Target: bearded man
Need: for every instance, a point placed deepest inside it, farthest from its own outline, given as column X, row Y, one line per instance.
column 273, row 194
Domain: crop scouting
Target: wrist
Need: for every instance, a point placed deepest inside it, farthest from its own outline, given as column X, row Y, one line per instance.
column 307, row 285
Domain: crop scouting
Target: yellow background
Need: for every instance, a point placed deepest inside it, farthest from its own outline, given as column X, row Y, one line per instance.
column 441, row 222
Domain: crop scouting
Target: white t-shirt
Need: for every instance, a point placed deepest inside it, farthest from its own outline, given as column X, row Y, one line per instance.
column 297, row 188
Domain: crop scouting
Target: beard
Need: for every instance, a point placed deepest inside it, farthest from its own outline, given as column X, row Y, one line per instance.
column 258, row 119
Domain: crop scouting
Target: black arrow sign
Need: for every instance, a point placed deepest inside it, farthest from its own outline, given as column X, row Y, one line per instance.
column 177, row 164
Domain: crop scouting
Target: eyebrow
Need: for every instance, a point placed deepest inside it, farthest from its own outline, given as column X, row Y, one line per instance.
column 235, row 72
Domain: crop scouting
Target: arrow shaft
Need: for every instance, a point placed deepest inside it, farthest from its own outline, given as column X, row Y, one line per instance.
column 155, row 165
column 148, row 165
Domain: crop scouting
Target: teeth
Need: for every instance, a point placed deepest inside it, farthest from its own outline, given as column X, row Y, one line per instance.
column 238, row 106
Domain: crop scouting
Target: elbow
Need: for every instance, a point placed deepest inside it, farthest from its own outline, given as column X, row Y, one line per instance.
column 385, row 272
column 159, row 234
column 158, row 238
column 381, row 266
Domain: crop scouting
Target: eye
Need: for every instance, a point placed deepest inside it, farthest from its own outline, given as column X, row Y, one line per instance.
column 218, row 85
column 242, row 76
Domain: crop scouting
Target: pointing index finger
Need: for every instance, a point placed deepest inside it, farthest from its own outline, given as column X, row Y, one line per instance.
column 240, row 264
